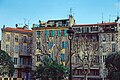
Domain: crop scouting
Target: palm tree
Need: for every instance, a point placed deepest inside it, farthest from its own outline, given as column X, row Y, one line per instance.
column 50, row 69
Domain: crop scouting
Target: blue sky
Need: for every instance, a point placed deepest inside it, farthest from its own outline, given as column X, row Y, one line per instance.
column 31, row 11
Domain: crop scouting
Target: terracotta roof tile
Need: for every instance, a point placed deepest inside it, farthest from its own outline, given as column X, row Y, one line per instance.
column 18, row 30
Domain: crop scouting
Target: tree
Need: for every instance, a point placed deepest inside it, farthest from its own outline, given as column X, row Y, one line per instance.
column 112, row 64
column 50, row 69
column 85, row 49
column 6, row 64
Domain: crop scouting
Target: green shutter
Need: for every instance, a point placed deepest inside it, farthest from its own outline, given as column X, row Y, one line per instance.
column 38, row 34
column 53, row 33
column 65, row 32
column 46, row 33
column 58, row 33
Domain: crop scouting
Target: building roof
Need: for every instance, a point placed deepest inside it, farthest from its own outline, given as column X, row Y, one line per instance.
column 97, row 24
column 49, row 28
column 21, row 30
column 58, row 20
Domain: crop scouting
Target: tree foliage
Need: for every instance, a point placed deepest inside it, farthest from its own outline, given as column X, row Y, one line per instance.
column 113, row 65
column 50, row 69
column 6, row 64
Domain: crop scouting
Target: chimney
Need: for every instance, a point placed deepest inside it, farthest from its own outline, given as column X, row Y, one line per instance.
column 16, row 25
column 3, row 26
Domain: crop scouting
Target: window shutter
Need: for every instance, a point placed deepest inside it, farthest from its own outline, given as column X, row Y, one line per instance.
column 62, row 57
column 58, row 33
column 65, row 32
column 53, row 33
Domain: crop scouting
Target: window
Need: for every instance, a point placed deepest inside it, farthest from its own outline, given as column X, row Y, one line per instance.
column 25, row 49
column 7, row 48
column 5, row 78
column 58, row 33
column 16, row 50
column 38, row 34
column 50, row 32
column 65, row 32
column 96, row 59
column 79, row 30
column 18, row 61
column 77, row 58
column 96, row 72
column 30, row 61
column 82, row 30
column 21, row 61
column 24, row 39
column 94, row 28
column 15, row 60
column 91, row 29
column 15, row 75
column 62, row 32
column 16, row 38
column 113, row 47
column 66, row 23
column 26, row 61
column 14, row 78
column 59, row 23
column 62, row 57
column 53, row 33
column 50, row 44
column 38, row 45
column 87, row 29
column 113, row 37
column 104, row 57
column 47, row 33
column 104, row 37
column 64, row 44
column 53, row 23
column 8, row 37
column 104, row 47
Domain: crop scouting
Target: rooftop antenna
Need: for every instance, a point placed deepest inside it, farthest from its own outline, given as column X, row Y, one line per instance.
column 116, row 20
column 118, row 3
column 70, row 11
column 28, row 23
column 109, row 17
column 24, row 21
column 102, row 17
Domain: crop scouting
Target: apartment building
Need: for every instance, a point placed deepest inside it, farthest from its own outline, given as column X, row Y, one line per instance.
column 90, row 46
column 97, row 41
column 17, row 42
column 51, row 38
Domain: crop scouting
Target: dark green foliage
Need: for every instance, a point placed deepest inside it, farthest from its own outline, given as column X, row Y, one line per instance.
column 51, row 69
column 6, row 64
column 113, row 65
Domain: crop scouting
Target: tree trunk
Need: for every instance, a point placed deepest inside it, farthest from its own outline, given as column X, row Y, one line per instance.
column 86, row 77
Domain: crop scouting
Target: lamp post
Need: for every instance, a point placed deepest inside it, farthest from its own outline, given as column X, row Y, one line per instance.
column 70, row 32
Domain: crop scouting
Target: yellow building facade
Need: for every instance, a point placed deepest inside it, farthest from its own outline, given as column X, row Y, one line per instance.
column 52, row 39
column 17, row 42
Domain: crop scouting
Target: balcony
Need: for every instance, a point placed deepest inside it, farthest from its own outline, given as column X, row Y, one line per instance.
column 25, row 66
column 27, row 55
column 82, row 76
